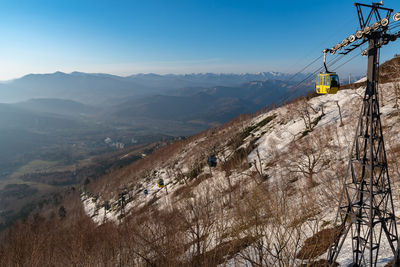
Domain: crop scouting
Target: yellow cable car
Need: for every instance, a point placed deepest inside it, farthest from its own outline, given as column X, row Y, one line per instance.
column 160, row 183
column 327, row 82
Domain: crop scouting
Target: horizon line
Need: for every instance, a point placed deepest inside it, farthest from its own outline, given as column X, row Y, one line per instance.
column 149, row 73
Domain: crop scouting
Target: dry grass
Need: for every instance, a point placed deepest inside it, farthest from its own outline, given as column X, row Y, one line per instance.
column 186, row 191
column 318, row 244
column 320, row 263
column 222, row 252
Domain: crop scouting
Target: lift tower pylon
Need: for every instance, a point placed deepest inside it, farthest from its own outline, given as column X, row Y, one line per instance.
column 366, row 206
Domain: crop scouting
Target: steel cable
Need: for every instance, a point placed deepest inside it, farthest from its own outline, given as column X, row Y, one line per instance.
column 303, row 69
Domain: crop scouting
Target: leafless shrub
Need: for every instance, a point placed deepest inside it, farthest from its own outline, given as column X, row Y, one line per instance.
column 197, row 215
column 308, row 158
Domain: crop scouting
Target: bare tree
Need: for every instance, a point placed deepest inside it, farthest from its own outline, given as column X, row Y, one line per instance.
column 198, row 221
column 272, row 225
column 259, row 167
column 306, row 111
column 340, row 114
column 396, row 91
column 308, row 158
column 251, row 219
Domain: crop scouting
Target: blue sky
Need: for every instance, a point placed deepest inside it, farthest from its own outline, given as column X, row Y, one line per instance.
column 173, row 36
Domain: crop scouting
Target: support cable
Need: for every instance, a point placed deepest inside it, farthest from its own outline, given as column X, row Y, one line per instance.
column 308, row 78
column 356, row 55
column 303, row 69
column 323, row 43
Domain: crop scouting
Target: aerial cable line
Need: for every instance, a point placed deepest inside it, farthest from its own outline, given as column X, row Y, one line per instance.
column 336, row 59
column 322, row 43
column 309, row 77
column 306, row 67
column 331, row 64
column 394, row 25
column 356, row 55
column 296, row 86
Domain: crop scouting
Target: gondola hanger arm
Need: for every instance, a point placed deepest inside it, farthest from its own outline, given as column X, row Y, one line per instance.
column 325, row 52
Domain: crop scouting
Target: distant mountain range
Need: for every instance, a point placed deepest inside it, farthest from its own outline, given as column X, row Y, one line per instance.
column 51, row 115
column 147, row 101
column 208, row 105
column 103, row 89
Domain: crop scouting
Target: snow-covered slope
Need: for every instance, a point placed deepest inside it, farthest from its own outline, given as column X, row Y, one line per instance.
column 276, row 184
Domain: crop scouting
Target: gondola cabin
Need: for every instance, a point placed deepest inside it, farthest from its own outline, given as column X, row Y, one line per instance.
column 160, row 183
column 212, row 161
column 327, row 83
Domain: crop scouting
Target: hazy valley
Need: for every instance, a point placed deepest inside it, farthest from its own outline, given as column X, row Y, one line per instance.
column 59, row 130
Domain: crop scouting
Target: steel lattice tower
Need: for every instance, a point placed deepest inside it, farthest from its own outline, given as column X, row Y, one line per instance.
column 366, row 206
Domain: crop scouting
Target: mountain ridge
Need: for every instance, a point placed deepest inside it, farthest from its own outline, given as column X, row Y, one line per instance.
column 96, row 88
